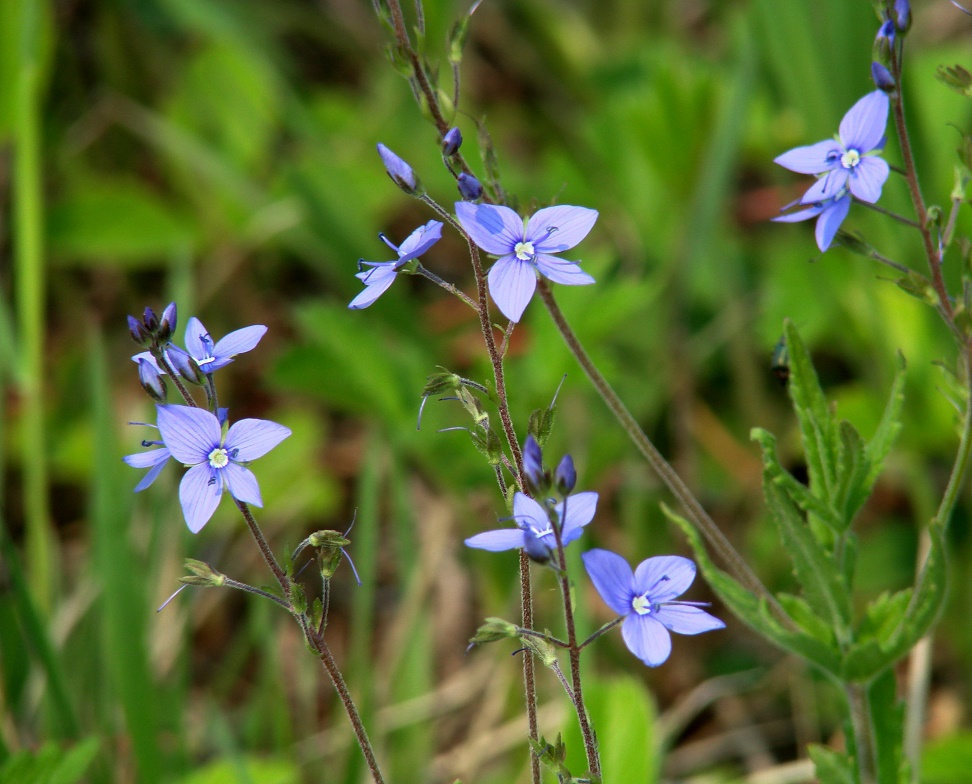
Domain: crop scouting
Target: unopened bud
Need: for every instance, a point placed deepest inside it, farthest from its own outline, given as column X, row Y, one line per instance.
column 151, row 381
column 493, row 630
column 202, row 574
column 167, row 324
column 882, row 77
column 901, row 13
column 533, row 463
column 138, row 333
column 451, row 142
column 399, row 171
column 469, row 187
column 565, row 476
column 185, row 365
column 150, row 320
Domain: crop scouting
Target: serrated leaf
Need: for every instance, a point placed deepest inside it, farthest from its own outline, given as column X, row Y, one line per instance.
column 753, row 611
column 800, row 611
column 831, row 767
column 883, row 615
column 853, row 470
column 816, row 421
column 888, row 429
column 887, row 722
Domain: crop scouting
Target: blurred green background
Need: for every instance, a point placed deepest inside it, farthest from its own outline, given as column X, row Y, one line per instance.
column 221, row 153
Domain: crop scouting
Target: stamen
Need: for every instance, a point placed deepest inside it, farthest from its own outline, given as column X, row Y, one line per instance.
column 218, row 458
column 524, row 251
column 641, row 604
column 850, row 159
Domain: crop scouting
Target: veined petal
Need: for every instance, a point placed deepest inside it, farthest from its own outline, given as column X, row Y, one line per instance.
column 493, row 228
column 647, row 639
column 198, row 342
column 189, row 433
column 147, row 356
column 800, row 215
column 868, row 178
column 377, row 282
column 663, row 577
column 239, row 341
column 511, row 284
column 826, row 186
column 496, row 541
column 562, row 271
column 527, row 511
column 147, row 459
column 249, row 439
column 612, row 578
column 811, row 159
column 580, row 511
column 199, row 493
column 830, row 219
column 419, row 241
column 554, row 229
column 242, row 484
column 686, row 619
column 865, row 122
column 151, row 476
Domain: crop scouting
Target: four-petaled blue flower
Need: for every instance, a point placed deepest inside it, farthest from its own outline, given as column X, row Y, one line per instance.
column 382, row 273
column 525, row 247
column 847, row 164
column 216, row 462
column 534, row 532
column 646, row 599
column 209, row 356
column 153, row 459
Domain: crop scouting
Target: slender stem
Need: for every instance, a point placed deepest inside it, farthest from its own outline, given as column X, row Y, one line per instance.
column 545, row 637
column 265, row 550
column 914, row 188
column 957, row 202
column 563, row 680
column 163, row 360
column 420, row 270
column 860, row 715
column 892, row 215
column 918, row 680
column 956, row 480
column 529, row 665
column 231, row 583
column 606, row 627
column 690, row 504
column 327, row 659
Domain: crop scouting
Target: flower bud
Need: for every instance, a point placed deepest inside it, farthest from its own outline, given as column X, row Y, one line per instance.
column 138, row 332
column 151, row 381
column 150, row 320
column 202, row 574
column 882, row 77
column 565, row 476
column 901, row 14
column 533, row 463
column 493, row 630
column 167, row 324
column 399, row 171
column 451, row 142
column 535, row 547
column 470, row 188
column 185, row 365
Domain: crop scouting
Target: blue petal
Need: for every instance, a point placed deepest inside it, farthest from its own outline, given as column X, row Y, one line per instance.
column 249, row 439
column 830, row 219
column 868, row 178
column 377, row 281
column 198, row 343
column 686, row 619
column 239, row 341
column 242, row 484
column 580, row 511
column 864, row 124
column 800, row 215
column 199, row 495
column 647, row 639
column 419, row 241
column 528, row 513
column 812, row 159
column 612, row 578
column 562, row 271
column 511, row 284
column 151, row 476
column 493, row 228
column 826, row 187
column 496, row 541
column 147, row 459
column 189, row 433
column 556, row 229
column 663, row 577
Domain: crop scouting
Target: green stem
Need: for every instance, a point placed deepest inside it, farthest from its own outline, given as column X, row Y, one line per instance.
column 691, row 506
column 860, row 715
column 30, row 279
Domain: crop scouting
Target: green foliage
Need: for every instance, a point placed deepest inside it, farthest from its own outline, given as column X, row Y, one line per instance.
column 50, row 764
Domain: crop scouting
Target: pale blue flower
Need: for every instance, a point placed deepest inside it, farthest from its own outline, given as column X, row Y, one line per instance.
column 382, row 273
column 830, row 213
column 646, row 599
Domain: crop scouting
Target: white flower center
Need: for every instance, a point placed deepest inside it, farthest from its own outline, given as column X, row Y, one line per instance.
column 218, row 458
column 524, row 251
column 850, row 159
column 641, row 604
column 205, row 361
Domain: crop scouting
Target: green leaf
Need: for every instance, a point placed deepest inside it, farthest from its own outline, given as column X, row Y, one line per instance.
column 887, row 722
column 800, row 611
column 50, row 764
column 831, row 767
column 853, row 470
column 754, row 612
column 887, row 431
column 816, row 571
column 816, row 420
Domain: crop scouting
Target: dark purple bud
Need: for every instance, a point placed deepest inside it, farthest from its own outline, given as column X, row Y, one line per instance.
column 399, row 171
column 138, row 332
column 535, row 547
column 451, row 142
column 184, row 365
column 167, row 324
column 470, row 188
column 884, row 42
column 901, row 13
column 882, row 77
column 150, row 320
column 565, row 476
column 151, row 381
column 533, row 462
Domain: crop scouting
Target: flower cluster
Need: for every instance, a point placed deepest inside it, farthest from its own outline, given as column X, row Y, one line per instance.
column 645, row 598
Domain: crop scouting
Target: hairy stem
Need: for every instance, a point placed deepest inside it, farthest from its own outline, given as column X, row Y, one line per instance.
column 265, row 550
column 860, row 715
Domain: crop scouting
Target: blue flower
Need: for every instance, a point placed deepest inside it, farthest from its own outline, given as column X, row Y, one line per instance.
column 646, row 599
column 153, row 459
column 211, row 357
column 849, row 161
column 196, row 439
column 525, row 247
column 831, row 214
column 382, row 273
column 400, row 172
column 534, row 532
